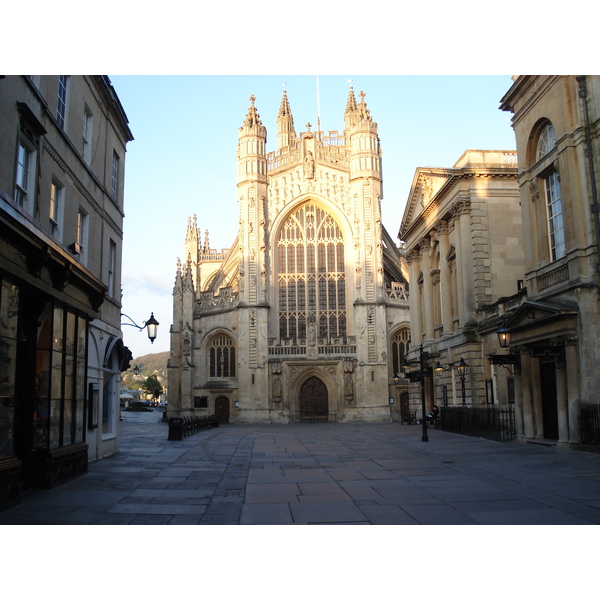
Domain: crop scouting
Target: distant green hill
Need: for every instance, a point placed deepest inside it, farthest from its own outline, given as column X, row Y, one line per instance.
column 150, row 363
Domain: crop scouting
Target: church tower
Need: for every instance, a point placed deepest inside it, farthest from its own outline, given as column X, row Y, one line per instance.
column 252, row 257
column 365, row 182
column 296, row 321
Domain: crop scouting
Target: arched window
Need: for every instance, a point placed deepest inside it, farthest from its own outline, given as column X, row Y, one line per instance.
column 311, row 275
column 400, row 342
column 222, row 356
column 546, row 141
column 552, row 194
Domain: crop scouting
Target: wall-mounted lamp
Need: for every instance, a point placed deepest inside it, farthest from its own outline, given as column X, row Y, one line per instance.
column 151, row 325
column 504, row 336
column 236, row 404
column 136, row 370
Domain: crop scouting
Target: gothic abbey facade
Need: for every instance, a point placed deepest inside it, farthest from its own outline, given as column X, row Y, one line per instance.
column 306, row 316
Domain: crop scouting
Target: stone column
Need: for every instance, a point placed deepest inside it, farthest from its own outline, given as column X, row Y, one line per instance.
column 414, row 264
column 573, row 391
column 427, row 288
column 445, row 281
column 536, row 398
column 460, row 287
column 466, row 261
column 561, row 405
column 526, row 397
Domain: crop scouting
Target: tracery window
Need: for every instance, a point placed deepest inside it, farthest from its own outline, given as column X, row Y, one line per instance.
column 222, row 356
column 400, row 342
column 546, row 142
column 311, row 276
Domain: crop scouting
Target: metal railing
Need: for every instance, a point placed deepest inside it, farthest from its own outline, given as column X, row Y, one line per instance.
column 490, row 422
column 589, row 423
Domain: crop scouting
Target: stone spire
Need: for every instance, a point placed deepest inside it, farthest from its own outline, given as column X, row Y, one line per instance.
column 188, row 280
column 178, row 287
column 251, row 155
column 192, row 233
column 363, row 112
column 252, row 117
column 351, row 108
column 286, row 134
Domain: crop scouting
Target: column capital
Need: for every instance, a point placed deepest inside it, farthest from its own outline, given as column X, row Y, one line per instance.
column 462, row 206
column 442, row 227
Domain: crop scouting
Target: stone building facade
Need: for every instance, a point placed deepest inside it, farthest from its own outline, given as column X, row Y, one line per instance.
column 306, row 316
column 463, row 243
column 62, row 158
column 555, row 326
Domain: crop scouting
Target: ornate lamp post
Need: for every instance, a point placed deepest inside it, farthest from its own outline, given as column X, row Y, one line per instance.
column 420, row 375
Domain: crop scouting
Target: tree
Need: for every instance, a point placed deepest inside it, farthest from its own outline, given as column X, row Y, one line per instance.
column 152, row 387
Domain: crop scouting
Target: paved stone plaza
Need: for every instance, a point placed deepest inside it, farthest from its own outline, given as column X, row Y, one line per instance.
column 379, row 474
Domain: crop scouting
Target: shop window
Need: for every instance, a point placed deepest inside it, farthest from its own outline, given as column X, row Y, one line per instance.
column 59, row 398
column 9, row 312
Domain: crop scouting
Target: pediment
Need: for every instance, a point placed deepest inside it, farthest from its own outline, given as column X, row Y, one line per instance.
column 424, row 190
column 532, row 313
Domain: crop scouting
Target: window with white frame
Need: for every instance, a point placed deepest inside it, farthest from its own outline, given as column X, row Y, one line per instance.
column 25, row 177
column 61, row 103
column 546, row 142
column 57, row 202
column 88, row 123
column 115, row 177
column 82, row 235
column 556, row 232
column 551, row 186
column 112, row 262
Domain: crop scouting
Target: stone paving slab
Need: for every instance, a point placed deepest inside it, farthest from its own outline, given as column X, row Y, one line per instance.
column 328, row 474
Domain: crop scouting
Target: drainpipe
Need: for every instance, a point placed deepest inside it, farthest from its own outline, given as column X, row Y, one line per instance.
column 581, row 80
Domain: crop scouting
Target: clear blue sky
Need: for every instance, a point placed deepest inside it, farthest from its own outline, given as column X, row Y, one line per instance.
column 182, row 161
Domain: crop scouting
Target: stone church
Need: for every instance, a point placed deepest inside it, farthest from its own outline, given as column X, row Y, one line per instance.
column 305, row 317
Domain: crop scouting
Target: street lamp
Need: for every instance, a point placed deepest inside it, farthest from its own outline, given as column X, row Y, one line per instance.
column 504, row 336
column 136, row 370
column 462, row 369
column 420, row 375
column 151, row 325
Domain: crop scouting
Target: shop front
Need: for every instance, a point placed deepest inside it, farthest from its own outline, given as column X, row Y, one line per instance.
column 46, row 303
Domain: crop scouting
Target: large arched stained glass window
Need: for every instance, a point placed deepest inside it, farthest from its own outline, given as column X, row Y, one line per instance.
column 222, row 357
column 311, row 276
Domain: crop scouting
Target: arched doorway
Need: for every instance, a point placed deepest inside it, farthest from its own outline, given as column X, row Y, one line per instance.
column 314, row 405
column 222, row 409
